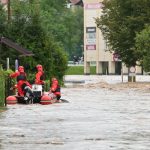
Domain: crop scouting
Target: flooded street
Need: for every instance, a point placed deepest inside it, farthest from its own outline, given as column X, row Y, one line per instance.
column 94, row 119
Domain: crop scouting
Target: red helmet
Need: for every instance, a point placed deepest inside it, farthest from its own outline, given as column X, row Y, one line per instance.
column 39, row 67
column 21, row 69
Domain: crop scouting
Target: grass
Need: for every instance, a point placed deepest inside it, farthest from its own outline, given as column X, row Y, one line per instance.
column 79, row 70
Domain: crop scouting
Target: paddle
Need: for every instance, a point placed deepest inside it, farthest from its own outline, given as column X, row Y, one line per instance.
column 64, row 100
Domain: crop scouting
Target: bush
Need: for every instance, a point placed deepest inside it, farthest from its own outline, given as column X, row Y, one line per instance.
column 2, row 89
column 5, row 84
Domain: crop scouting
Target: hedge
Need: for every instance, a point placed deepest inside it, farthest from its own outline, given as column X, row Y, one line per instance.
column 2, row 89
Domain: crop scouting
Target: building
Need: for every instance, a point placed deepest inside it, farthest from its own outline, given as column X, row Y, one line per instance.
column 95, row 47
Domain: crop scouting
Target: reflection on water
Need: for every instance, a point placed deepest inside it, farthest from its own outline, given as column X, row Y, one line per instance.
column 95, row 119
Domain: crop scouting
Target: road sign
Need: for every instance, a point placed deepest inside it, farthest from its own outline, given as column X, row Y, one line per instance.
column 132, row 71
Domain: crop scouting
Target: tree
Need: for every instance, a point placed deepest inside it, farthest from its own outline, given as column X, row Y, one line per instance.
column 64, row 25
column 3, row 22
column 143, row 47
column 120, row 22
column 26, row 29
column 74, row 31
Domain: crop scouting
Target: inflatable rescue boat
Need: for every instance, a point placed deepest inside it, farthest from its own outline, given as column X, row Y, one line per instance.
column 34, row 95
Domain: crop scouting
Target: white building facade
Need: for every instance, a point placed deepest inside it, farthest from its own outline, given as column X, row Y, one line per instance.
column 95, row 47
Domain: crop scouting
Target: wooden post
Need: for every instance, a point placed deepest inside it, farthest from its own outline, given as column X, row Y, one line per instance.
column 122, row 74
column 16, row 64
column 7, row 63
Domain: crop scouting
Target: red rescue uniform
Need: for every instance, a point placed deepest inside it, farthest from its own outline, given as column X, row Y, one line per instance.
column 55, row 88
column 20, row 75
column 39, row 77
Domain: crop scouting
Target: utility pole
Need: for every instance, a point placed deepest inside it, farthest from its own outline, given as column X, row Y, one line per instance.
column 8, row 10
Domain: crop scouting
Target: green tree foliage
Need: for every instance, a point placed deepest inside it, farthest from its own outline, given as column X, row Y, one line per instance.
column 64, row 24
column 2, row 89
column 143, row 47
column 120, row 22
column 73, row 39
column 26, row 29
column 3, row 20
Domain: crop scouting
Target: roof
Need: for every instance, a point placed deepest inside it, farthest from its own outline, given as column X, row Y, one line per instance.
column 15, row 46
column 77, row 2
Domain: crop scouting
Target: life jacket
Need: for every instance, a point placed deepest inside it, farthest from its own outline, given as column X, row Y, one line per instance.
column 21, row 76
column 55, row 88
column 39, row 78
column 42, row 77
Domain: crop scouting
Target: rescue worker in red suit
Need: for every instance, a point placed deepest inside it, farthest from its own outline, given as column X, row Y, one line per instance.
column 55, row 88
column 20, row 75
column 39, row 77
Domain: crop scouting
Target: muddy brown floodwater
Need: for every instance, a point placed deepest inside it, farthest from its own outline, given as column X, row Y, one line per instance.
column 103, row 118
